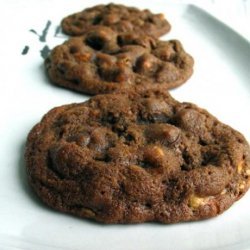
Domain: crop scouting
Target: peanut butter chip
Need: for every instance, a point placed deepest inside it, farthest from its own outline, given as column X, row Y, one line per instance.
column 88, row 212
column 240, row 167
column 161, row 16
column 242, row 185
column 248, row 172
column 224, row 191
column 195, row 201
column 153, row 155
column 157, row 151
column 83, row 57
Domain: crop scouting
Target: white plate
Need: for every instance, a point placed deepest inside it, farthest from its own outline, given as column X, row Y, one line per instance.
column 220, row 83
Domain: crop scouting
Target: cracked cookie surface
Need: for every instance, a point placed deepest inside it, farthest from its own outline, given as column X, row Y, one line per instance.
column 137, row 157
column 119, row 18
column 102, row 61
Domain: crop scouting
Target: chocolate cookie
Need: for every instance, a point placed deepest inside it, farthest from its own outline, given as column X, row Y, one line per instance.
column 136, row 157
column 119, row 18
column 103, row 61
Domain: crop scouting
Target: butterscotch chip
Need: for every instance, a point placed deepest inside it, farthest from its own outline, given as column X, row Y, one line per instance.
column 223, row 192
column 195, row 201
column 117, row 17
column 102, row 61
column 242, row 185
column 133, row 157
column 240, row 166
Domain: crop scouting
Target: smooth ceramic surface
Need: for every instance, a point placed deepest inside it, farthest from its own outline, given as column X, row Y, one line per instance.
column 220, row 83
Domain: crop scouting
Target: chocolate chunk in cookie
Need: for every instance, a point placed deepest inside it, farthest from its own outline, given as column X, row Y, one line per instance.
column 136, row 157
column 103, row 61
column 119, row 18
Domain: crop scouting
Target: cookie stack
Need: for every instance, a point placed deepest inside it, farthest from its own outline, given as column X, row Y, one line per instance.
column 132, row 153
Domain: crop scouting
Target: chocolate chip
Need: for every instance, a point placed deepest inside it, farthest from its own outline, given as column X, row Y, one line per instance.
column 96, row 20
column 73, row 49
column 166, row 134
column 147, row 65
column 96, row 43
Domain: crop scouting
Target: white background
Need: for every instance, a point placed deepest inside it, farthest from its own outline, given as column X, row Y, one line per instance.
column 220, row 83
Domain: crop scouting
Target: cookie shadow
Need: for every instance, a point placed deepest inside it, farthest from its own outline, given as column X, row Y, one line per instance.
column 44, row 75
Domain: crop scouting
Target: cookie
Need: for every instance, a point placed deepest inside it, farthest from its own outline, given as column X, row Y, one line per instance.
column 137, row 157
column 102, row 61
column 119, row 18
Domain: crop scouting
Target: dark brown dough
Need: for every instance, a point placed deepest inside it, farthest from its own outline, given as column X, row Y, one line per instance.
column 136, row 157
column 102, row 61
column 119, row 18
